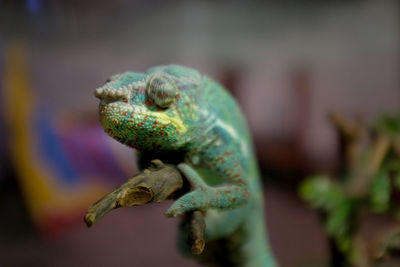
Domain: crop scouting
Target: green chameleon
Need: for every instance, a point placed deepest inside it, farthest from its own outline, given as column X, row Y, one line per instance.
column 175, row 114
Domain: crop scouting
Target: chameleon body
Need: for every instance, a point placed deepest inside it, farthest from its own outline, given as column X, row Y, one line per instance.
column 178, row 115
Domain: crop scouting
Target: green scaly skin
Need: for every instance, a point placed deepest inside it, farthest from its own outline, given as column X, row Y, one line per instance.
column 176, row 114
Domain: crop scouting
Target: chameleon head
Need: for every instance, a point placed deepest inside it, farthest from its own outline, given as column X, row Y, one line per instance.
column 150, row 110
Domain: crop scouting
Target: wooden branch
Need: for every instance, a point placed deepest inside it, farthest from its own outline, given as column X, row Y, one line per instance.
column 347, row 128
column 155, row 184
column 364, row 175
column 197, row 226
column 351, row 135
column 362, row 172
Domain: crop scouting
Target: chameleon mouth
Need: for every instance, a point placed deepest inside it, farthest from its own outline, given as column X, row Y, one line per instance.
column 139, row 115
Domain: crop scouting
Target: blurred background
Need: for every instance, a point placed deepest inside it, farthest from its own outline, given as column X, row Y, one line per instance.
column 289, row 63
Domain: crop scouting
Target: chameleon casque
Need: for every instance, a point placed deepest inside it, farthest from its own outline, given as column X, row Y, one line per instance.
column 175, row 114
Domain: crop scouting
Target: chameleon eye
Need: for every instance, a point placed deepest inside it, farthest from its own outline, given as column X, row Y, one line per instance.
column 162, row 90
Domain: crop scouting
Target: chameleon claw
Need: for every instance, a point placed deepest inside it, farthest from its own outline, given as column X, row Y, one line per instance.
column 195, row 200
column 176, row 210
column 184, row 204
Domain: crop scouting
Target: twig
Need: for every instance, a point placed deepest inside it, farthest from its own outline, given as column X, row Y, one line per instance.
column 364, row 175
column 155, row 184
column 350, row 137
column 346, row 127
column 362, row 172
column 197, row 226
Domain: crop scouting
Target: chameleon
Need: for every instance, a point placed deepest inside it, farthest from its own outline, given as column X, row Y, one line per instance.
column 180, row 116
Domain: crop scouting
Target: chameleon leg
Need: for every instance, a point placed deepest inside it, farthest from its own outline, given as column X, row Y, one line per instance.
column 195, row 180
column 203, row 196
column 198, row 197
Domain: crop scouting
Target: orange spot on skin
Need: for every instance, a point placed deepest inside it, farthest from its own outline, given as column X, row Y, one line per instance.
column 148, row 102
column 240, row 181
column 155, row 124
column 234, row 199
column 227, row 153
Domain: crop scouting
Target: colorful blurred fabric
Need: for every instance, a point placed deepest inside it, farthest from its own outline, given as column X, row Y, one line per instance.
column 64, row 162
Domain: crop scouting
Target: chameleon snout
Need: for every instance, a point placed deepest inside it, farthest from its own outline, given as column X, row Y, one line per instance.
column 112, row 94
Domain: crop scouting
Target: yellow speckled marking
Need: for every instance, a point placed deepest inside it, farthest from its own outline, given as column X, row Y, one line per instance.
column 165, row 119
column 161, row 117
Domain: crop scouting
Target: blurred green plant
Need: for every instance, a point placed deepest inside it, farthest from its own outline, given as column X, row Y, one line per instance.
column 369, row 178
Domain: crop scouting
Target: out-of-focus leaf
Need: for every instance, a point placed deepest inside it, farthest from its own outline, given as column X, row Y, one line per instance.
column 320, row 192
column 389, row 125
column 338, row 224
column 380, row 192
